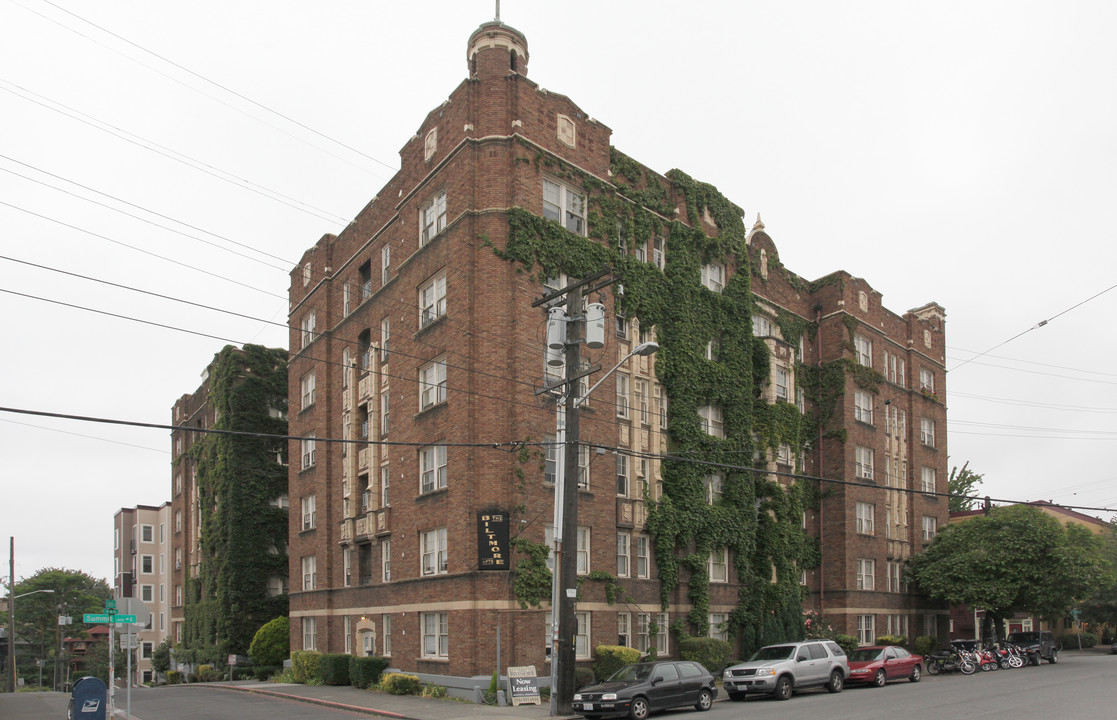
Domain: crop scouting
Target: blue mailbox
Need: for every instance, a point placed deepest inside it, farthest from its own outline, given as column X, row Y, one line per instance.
column 87, row 700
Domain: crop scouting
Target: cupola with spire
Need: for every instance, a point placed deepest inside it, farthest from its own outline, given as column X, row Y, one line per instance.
column 496, row 49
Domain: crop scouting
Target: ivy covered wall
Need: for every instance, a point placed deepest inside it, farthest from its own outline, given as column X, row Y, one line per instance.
column 243, row 538
column 759, row 520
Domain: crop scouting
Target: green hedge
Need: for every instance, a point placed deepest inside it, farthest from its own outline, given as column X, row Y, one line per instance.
column 892, row 640
column 242, row 673
column 401, row 684
column 848, row 643
column 582, row 676
column 712, row 653
column 366, row 671
column 265, row 672
column 1069, row 641
column 335, row 669
column 610, row 658
column 306, row 665
column 925, row 644
column 174, row 677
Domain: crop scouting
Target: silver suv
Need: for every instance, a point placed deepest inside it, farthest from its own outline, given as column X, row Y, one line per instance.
column 782, row 669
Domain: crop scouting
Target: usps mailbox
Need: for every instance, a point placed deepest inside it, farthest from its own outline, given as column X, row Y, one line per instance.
column 87, row 700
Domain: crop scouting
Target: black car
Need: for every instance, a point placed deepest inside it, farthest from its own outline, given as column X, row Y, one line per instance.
column 643, row 688
column 1041, row 644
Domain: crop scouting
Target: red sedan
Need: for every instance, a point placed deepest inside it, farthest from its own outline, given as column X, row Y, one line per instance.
column 878, row 665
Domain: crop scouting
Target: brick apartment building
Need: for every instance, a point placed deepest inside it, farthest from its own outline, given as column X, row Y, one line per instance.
column 141, row 541
column 227, row 518
column 417, row 356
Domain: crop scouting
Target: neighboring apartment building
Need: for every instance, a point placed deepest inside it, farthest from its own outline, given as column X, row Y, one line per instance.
column 418, row 361
column 141, row 543
column 228, row 513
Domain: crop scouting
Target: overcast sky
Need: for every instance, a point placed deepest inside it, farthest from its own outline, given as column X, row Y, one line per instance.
column 957, row 152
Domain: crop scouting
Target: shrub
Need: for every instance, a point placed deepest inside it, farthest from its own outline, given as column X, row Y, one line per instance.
column 192, row 677
column 305, row 665
column 285, row 676
column 924, row 644
column 174, row 677
column 365, row 671
column 272, row 643
column 582, row 676
column 243, row 673
column 712, row 653
column 610, row 658
column 266, row 672
column 401, row 684
column 434, row 691
column 1069, row 641
column 848, row 643
column 892, row 640
column 334, row 669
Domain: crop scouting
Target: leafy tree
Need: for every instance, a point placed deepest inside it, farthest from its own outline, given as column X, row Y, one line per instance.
column 96, row 661
column 272, row 643
column 161, row 656
column 963, row 482
column 1100, row 605
column 1015, row 559
column 37, row 614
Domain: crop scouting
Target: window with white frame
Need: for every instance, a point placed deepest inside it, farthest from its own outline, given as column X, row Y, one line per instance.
column 385, row 485
column 893, row 576
column 385, row 335
column 659, row 253
column 713, row 276
column 307, row 384
column 582, row 636
column 719, row 626
column 866, row 629
column 663, row 411
column 432, row 383
column 386, row 560
column 930, row 528
column 621, row 325
column 310, row 512
column 623, row 485
column 432, row 299
column 761, row 326
column 895, row 367
column 863, row 463
column 583, row 553
column 928, row 479
column 783, row 454
column 147, row 533
column 307, row 326
column 310, row 633
column 387, row 623
column 642, row 400
column 385, row 411
column 718, row 565
column 348, row 632
column 863, row 407
column 898, row 625
column 623, row 549
column 866, row 574
column 436, row 634
column 565, row 206
column 385, row 264
column 432, row 468
column 623, row 389
column 147, row 564
column 930, row 625
column 927, row 431
column 550, row 459
column 432, row 549
column 647, row 625
column 347, row 566
column 713, row 348
column 624, row 629
column 642, row 550
column 310, row 572
column 711, row 419
column 926, row 380
column 863, row 350
column 147, row 593
column 432, row 217
column 308, row 444
column 783, row 383
column 583, row 466
column 715, row 483
column 865, row 513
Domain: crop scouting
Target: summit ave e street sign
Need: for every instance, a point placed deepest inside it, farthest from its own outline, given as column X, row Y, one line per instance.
column 108, row 619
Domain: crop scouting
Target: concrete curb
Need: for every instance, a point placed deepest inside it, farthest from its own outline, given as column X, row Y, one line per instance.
column 311, row 701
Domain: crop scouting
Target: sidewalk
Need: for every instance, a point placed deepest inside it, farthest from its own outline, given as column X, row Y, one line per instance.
column 404, row 707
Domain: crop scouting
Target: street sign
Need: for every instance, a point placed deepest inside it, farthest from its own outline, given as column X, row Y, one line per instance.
column 129, row 641
column 106, row 619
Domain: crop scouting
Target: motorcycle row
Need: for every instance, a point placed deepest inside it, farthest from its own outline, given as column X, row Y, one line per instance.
column 968, row 662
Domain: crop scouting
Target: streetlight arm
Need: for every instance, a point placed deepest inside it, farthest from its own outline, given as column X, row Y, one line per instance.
column 644, row 349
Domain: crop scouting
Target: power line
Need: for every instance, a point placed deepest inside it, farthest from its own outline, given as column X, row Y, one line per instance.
column 1033, row 362
column 1038, row 325
column 1028, row 403
column 290, row 264
column 178, row 157
column 89, row 437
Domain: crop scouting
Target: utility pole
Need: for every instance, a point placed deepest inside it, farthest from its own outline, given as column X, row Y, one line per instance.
column 12, row 615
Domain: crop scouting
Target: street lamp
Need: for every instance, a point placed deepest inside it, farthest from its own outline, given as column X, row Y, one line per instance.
column 12, row 633
column 563, row 619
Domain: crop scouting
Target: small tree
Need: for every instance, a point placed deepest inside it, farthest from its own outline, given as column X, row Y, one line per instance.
column 161, row 656
column 272, row 643
column 961, row 485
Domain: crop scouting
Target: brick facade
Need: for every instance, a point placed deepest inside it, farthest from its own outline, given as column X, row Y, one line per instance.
column 481, row 148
